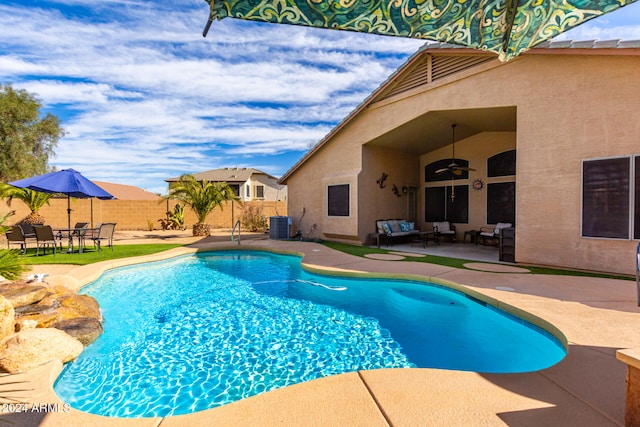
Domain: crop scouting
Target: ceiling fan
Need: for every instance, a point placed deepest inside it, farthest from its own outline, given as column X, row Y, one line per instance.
column 453, row 167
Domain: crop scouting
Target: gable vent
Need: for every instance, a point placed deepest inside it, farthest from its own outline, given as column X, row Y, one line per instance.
column 443, row 66
column 434, row 67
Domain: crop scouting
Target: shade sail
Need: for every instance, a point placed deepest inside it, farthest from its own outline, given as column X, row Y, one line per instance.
column 504, row 27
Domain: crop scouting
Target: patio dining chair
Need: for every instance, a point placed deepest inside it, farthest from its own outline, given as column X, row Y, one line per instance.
column 104, row 233
column 45, row 238
column 80, row 231
column 15, row 236
column 27, row 229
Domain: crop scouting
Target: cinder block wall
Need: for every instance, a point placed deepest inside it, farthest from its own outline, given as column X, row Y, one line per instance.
column 136, row 214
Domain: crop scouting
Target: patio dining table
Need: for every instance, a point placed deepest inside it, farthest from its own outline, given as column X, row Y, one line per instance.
column 79, row 232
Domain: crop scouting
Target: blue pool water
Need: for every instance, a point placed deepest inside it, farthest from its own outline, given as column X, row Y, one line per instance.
column 200, row 331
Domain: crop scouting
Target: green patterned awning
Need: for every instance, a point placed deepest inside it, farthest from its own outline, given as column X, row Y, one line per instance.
column 505, row 27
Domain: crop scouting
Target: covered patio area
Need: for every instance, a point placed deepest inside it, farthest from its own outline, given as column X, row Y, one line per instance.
column 469, row 251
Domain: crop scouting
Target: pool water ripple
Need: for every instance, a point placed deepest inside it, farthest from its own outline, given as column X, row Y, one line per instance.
column 202, row 331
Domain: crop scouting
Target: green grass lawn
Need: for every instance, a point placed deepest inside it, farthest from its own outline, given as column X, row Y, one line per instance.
column 361, row 251
column 91, row 255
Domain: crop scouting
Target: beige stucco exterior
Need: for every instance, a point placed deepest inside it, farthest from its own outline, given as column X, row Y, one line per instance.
column 556, row 107
column 271, row 190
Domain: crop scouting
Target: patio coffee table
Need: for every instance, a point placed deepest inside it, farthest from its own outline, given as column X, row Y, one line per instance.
column 424, row 237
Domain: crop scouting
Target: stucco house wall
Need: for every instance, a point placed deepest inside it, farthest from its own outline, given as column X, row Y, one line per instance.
column 271, row 189
column 334, row 164
column 569, row 105
column 244, row 181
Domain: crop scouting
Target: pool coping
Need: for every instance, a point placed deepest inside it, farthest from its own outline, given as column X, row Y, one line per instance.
column 587, row 388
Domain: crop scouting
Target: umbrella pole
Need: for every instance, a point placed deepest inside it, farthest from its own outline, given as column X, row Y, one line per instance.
column 70, row 248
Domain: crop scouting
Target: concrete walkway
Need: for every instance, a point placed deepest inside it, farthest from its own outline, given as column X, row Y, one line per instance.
column 597, row 316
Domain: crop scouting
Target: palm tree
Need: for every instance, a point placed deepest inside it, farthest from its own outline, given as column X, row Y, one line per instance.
column 33, row 199
column 203, row 197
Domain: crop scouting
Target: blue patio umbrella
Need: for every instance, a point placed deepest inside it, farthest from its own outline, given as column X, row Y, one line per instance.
column 66, row 181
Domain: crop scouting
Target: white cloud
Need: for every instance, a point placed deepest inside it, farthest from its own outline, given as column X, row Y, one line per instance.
column 143, row 96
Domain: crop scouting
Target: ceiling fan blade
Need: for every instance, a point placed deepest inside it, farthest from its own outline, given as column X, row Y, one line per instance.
column 463, row 168
column 443, row 170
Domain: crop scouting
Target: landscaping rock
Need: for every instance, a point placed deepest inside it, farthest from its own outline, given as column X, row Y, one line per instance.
column 7, row 318
column 42, row 320
column 84, row 329
column 30, row 348
column 21, row 295
column 84, row 305
column 27, row 310
column 26, row 324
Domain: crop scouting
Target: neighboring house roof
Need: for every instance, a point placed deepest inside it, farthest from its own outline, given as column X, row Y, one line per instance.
column 126, row 192
column 415, row 72
column 231, row 175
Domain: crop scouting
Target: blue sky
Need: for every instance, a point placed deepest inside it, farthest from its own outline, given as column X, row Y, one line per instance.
column 142, row 96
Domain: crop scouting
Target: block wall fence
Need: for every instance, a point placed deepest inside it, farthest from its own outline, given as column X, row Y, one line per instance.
column 137, row 214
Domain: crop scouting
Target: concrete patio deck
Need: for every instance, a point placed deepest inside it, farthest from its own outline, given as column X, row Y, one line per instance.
column 597, row 316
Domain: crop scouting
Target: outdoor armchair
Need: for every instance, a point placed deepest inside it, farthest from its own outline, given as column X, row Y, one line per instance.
column 492, row 234
column 445, row 229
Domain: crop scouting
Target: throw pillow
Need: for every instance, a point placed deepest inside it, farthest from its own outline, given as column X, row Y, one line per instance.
column 404, row 226
column 387, row 228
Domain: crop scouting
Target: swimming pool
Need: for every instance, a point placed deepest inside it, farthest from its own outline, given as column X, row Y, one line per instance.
column 200, row 331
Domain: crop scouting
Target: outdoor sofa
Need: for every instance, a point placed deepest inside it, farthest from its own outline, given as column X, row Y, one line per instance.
column 394, row 230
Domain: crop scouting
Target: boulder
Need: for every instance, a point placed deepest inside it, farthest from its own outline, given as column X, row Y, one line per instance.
column 84, row 329
column 84, row 305
column 46, row 319
column 27, row 310
column 7, row 318
column 51, row 300
column 60, row 290
column 26, row 324
column 21, row 295
column 30, row 348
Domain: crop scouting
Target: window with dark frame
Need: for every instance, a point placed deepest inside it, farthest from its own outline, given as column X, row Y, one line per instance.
column 236, row 189
column 501, row 202
column 260, row 191
column 434, row 204
column 438, row 205
column 338, row 200
column 502, row 164
column 606, row 195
